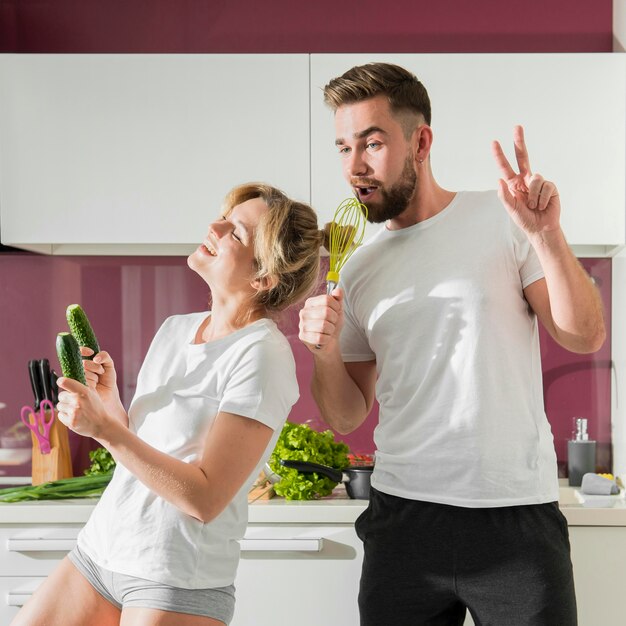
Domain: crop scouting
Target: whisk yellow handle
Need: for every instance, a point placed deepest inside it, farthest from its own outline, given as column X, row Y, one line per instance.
column 332, row 277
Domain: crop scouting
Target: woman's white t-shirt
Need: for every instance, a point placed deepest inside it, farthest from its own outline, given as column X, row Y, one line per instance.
column 181, row 388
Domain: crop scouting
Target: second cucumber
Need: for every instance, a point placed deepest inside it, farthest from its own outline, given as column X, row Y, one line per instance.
column 69, row 357
column 81, row 328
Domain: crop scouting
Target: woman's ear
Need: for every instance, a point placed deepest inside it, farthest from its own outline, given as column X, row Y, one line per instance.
column 265, row 283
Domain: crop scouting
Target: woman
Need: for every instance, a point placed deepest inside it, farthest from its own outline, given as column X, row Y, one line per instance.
column 161, row 546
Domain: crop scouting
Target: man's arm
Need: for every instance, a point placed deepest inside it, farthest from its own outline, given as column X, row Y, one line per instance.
column 344, row 392
column 566, row 302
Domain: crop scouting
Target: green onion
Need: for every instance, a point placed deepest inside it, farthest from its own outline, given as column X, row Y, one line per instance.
column 90, row 486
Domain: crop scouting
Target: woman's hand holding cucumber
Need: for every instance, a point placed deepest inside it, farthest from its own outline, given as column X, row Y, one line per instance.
column 90, row 400
column 81, row 409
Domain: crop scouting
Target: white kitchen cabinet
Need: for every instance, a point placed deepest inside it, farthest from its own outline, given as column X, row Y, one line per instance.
column 287, row 585
column 301, row 561
column 28, row 553
column 599, row 561
column 308, row 570
column 572, row 109
column 117, row 153
column 132, row 154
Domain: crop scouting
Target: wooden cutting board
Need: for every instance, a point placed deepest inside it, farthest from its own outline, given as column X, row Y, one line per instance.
column 262, row 489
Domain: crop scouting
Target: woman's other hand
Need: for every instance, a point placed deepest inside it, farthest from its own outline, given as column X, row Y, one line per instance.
column 81, row 409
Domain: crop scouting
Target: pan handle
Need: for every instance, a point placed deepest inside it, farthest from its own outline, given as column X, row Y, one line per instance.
column 309, row 468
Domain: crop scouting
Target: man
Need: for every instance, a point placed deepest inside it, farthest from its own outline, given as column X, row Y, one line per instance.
column 437, row 317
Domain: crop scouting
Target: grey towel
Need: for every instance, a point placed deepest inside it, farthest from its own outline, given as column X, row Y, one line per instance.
column 595, row 485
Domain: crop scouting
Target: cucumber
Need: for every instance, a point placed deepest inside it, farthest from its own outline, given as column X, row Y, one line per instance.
column 81, row 328
column 70, row 358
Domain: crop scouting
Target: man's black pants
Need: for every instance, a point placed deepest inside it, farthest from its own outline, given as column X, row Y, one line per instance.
column 426, row 563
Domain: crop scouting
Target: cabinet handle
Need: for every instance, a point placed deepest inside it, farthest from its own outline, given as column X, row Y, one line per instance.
column 40, row 545
column 247, row 545
column 282, row 545
column 17, row 598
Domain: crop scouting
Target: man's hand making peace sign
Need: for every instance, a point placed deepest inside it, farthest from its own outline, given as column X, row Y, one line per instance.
column 532, row 201
column 566, row 302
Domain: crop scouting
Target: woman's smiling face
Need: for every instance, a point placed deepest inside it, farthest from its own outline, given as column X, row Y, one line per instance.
column 225, row 259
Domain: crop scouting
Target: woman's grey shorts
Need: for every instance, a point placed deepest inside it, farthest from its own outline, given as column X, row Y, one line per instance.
column 127, row 591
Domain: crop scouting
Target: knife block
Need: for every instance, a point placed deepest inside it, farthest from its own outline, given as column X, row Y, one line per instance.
column 58, row 463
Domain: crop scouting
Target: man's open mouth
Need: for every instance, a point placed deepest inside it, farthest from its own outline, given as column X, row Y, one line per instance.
column 364, row 192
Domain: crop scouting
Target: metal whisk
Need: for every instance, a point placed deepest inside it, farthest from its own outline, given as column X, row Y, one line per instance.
column 346, row 235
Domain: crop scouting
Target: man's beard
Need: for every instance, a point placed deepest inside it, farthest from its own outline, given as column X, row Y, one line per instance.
column 396, row 199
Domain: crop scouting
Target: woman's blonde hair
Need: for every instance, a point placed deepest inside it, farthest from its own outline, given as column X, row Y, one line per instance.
column 286, row 246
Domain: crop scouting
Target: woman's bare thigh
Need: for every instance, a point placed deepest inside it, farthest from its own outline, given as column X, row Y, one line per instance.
column 66, row 598
column 152, row 617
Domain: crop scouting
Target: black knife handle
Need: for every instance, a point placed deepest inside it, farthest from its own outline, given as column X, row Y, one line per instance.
column 54, row 386
column 44, row 373
column 35, row 382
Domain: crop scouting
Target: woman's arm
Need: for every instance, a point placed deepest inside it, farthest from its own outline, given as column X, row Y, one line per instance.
column 232, row 449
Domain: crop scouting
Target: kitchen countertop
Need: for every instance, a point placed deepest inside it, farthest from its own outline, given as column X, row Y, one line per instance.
column 579, row 510
column 584, row 510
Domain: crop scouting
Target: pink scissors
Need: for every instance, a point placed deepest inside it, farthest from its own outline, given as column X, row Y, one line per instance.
column 40, row 422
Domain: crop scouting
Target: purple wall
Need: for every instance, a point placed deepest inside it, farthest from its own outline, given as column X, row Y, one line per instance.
column 128, row 297
column 322, row 26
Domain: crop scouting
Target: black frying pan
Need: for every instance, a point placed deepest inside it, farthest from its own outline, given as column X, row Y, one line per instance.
column 356, row 479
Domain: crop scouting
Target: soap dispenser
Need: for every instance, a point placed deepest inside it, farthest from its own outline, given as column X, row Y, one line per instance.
column 581, row 453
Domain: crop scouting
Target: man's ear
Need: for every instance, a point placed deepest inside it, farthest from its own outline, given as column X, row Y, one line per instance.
column 265, row 283
column 422, row 141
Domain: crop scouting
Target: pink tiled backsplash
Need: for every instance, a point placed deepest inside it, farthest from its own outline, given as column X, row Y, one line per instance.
column 127, row 298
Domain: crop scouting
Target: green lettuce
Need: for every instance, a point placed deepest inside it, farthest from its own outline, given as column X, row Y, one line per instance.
column 299, row 442
column 101, row 462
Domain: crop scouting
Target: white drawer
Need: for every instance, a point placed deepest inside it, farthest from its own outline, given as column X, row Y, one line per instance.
column 14, row 592
column 326, row 559
column 295, row 541
column 293, row 558
column 35, row 550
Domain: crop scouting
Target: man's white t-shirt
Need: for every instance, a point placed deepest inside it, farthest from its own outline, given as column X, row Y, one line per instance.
column 181, row 388
column 440, row 307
